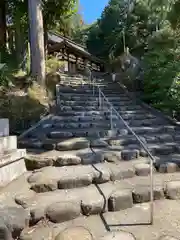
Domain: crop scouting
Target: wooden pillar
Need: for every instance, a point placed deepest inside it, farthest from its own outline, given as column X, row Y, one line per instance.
column 69, row 67
column 63, row 53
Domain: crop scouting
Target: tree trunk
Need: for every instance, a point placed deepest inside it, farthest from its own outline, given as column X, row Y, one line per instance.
column 36, row 40
column 2, row 26
column 19, row 43
column 45, row 38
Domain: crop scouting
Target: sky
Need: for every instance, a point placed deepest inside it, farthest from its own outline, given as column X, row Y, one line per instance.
column 92, row 9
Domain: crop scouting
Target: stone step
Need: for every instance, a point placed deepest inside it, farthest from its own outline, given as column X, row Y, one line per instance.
column 68, row 86
column 106, row 123
column 89, row 121
column 79, row 113
column 155, row 129
column 98, row 117
column 8, row 143
column 147, row 138
column 4, row 127
column 84, row 132
column 88, row 111
column 80, row 125
column 76, row 97
column 129, row 224
column 168, row 164
column 12, row 165
column 95, row 199
column 74, row 90
column 137, row 121
column 53, row 178
column 163, row 164
column 92, row 103
column 102, row 122
column 79, row 157
column 163, row 149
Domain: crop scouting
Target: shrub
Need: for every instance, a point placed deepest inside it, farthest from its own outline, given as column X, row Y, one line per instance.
column 162, row 71
column 23, row 108
column 53, row 64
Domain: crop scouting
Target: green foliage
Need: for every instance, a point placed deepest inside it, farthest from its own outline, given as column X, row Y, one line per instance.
column 173, row 15
column 53, row 64
column 4, row 75
column 161, row 78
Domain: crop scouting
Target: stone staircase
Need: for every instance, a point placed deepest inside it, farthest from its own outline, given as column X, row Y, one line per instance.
column 89, row 177
column 12, row 163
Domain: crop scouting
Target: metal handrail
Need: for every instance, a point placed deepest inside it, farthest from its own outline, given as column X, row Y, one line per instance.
column 112, row 109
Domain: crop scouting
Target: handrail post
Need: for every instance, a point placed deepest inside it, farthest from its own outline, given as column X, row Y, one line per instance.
column 100, row 99
column 93, row 86
column 57, row 95
column 151, row 193
column 111, row 118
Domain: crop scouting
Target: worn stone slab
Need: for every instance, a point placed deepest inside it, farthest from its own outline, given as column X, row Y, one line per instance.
column 77, row 176
column 62, row 211
column 143, row 153
column 118, row 236
column 164, row 149
column 72, row 233
column 111, row 133
column 37, row 162
column 143, row 169
column 98, row 143
column 117, row 173
column 67, row 159
column 150, row 139
column 172, row 190
column 130, row 154
column 59, row 134
column 89, row 199
column 66, row 177
column 165, row 138
column 94, row 133
column 15, row 219
column 113, row 157
column 102, row 173
column 125, row 140
column 142, row 194
column 66, row 108
column 93, row 158
column 166, row 216
column 119, row 200
column 84, row 125
column 69, row 182
column 168, row 167
column 49, row 146
column 73, row 144
column 93, row 202
column 48, row 185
